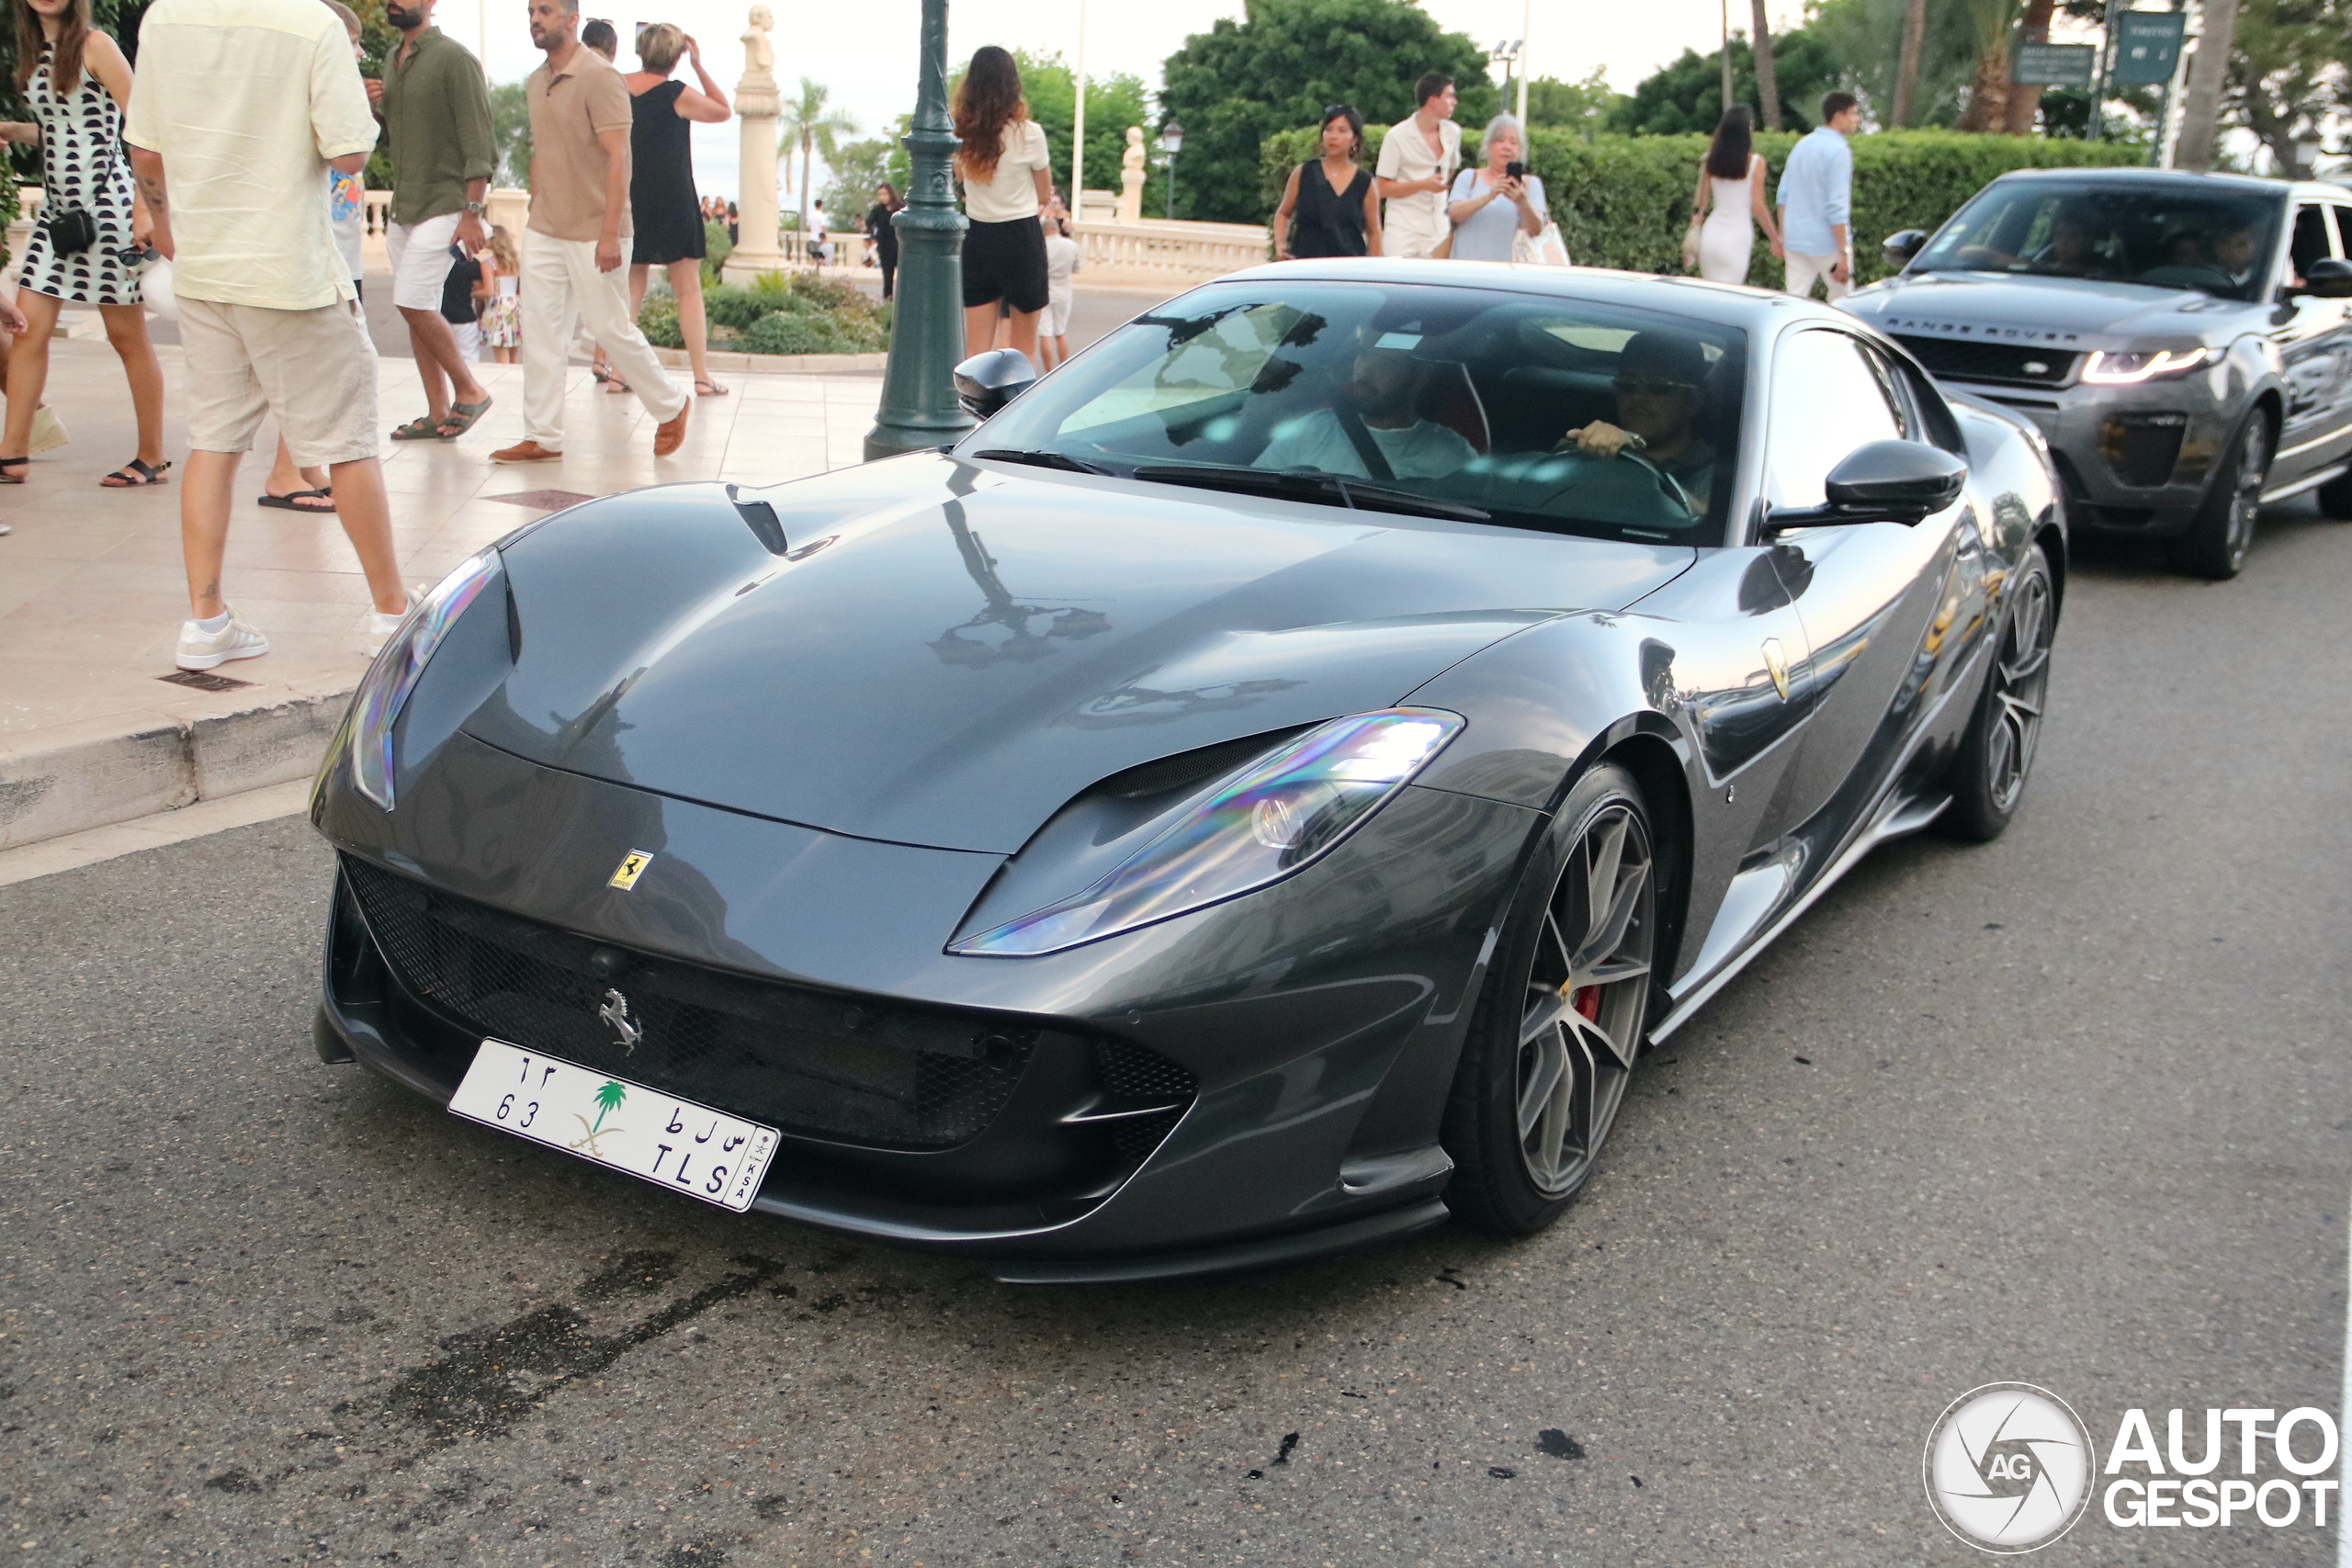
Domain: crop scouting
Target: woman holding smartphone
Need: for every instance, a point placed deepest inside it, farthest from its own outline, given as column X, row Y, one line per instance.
column 1493, row 205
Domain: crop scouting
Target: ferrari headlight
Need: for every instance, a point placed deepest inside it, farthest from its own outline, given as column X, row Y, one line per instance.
column 2112, row 370
column 393, row 676
column 1278, row 815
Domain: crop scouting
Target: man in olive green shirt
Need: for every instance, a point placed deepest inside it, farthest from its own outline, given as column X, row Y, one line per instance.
column 436, row 109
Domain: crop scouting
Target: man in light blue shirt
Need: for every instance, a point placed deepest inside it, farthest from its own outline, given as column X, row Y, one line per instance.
column 1817, row 199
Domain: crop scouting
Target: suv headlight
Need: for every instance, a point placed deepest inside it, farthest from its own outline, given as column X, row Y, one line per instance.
column 386, row 687
column 2108, row 368
column 1276, row 816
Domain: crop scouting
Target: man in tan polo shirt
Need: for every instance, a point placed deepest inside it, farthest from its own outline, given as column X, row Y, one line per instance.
column 242, row 107
column 572, row 255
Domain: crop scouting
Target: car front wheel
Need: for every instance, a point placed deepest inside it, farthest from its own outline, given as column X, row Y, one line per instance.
column 1988, row 774
column 1562, row 1020
column 2217, row 542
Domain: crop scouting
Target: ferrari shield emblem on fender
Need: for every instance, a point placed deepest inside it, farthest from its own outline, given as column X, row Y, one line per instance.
column 633, row 864
column 1775, row 660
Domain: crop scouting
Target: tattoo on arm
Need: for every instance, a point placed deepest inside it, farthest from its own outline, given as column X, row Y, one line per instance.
column 151, row 188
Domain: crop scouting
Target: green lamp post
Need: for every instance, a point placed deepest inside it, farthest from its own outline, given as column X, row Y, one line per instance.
column 919, row 407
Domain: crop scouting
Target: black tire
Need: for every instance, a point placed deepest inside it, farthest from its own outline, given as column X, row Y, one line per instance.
column 2336, row 497
column 2217, row 542
column 1541, row 1041
column 1988, row 775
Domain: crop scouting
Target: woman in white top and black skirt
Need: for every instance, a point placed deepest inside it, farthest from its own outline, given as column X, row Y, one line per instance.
column 1003, row 164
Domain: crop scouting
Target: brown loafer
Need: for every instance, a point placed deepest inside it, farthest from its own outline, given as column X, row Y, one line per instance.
column 525, row 452
column 671, row 434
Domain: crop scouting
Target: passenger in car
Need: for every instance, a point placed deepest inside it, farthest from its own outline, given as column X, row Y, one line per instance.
column 1371, row 426
column 1661, row 397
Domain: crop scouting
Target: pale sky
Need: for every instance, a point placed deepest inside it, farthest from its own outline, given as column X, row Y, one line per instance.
column 866, row 52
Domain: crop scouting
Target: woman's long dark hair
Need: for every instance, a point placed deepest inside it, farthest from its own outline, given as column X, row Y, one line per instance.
column 65, row 66
column 893, row 203
column 1735, row 142
column 986, row 100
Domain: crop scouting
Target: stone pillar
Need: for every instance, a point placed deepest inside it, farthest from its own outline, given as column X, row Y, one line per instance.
column 919, row 405
column 1131, row 178
column 757, row 106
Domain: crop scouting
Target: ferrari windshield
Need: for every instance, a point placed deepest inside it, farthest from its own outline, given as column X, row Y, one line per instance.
column 1532, row 411
column 2215, row 238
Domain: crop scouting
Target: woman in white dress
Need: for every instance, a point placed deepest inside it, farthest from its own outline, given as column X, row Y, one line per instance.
column 1730, row 193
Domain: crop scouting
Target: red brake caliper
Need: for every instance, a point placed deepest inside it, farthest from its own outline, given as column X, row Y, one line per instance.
column 1586, row 999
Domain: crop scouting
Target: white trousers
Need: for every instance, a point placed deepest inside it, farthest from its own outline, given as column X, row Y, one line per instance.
column 1802, row 270
column 559, row 277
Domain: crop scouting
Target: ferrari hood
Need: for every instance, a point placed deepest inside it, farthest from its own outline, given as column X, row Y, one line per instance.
column 2070, row 311
column 947, row 652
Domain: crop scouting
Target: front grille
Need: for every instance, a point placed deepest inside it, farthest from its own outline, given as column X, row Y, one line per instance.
column 2141, row 451
column 1964, row 361
column 807, row 1061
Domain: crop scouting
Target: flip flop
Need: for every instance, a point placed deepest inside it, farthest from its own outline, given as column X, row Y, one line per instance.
column 462, row 418
column 291, row 500
column 421, row 428
column 135, row 475
column 710, row 390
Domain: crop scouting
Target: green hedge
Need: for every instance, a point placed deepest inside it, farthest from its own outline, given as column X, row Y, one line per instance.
column 1623, row 201
column 779, row 313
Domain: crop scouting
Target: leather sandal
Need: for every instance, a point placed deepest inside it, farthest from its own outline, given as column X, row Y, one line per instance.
column 136, row 475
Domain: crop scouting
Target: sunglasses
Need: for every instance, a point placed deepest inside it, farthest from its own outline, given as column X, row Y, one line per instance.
column 1652, row 386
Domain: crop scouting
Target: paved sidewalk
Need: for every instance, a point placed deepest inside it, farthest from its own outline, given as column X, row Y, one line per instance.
column 92, row 592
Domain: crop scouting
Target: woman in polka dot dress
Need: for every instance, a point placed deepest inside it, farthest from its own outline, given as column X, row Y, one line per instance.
column 79, row 133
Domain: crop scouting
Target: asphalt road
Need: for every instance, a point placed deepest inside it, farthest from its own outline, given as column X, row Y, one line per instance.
column 2071, row 1109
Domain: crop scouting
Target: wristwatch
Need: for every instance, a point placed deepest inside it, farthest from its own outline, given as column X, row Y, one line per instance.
column 475, row 207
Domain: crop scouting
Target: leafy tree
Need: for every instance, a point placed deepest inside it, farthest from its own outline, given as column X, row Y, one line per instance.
column 510, row 129
column 1584, row 107
column 854, row 169
column 1113, row 104
column 2290, row 71
column 1240, row 82
column 1865, row 38
column 814, row 128
column 1686, row 96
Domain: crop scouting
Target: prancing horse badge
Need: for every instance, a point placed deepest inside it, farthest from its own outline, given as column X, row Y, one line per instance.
column 633, row 866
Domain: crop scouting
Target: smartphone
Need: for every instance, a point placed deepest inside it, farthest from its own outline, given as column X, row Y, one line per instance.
column 1515, row 169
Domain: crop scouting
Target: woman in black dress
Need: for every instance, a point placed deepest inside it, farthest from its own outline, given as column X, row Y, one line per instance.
column 661, row 183
column 882, row 232
column 1331, row 197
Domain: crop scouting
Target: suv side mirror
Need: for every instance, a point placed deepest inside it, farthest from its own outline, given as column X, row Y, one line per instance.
column 986, row 382
column 2327, row 279
column 1898, row 249
column 1886, row 481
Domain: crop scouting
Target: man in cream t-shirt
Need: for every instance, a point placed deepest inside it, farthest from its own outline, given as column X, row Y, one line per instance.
column 1417, row 162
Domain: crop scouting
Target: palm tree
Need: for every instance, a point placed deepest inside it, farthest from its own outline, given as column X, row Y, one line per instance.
column 608, row 1100
column 815, row 128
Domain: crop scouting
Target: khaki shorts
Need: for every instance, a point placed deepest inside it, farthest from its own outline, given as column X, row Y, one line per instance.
column 314, row 370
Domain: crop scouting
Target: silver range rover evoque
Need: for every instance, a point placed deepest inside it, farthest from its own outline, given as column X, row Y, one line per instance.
column 2183, row 342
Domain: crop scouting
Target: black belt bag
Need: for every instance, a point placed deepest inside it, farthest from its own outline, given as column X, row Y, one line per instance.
column 73, row 231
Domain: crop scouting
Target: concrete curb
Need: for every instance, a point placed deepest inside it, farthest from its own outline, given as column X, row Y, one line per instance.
column 70, row 778
column 742, row 363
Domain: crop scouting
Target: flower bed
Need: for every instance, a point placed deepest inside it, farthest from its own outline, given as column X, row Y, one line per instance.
column 779, row 313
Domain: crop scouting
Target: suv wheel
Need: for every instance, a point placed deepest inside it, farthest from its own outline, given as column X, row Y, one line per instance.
column 2217, row 542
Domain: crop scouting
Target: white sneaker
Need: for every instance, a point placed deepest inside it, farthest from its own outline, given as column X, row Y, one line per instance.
column 380, row 628
column 201, row 650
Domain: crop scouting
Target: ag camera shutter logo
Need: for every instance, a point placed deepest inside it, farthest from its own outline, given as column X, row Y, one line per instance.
column 2008, row 1468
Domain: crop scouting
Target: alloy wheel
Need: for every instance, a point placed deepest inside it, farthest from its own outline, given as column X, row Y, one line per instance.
column 2246, row 494
column 1586, row 998
column 2020, row 680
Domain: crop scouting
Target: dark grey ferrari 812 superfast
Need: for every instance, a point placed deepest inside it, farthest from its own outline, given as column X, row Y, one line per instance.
column 1259, row 792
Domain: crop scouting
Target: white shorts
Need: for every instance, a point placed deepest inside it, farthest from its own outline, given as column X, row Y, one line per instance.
column 421, row 261
column 1057, row 321
column 314, row 370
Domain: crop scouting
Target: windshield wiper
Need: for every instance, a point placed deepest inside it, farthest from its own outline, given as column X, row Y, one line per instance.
column 1042, row 459
column 1352, row 493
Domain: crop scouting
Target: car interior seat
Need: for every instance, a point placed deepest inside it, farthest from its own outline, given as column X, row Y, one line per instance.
column 1447, row 398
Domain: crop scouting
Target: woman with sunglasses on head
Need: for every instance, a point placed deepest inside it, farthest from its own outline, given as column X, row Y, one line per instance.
column 1331, row 198
column 93, row 226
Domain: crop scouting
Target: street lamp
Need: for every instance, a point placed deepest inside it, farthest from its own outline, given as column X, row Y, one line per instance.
column 919, row 407
column 1171, row 142
column 1506, row 54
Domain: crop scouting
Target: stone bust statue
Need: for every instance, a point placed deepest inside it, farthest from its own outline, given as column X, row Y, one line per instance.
column 1132, row 162
column 759, row 54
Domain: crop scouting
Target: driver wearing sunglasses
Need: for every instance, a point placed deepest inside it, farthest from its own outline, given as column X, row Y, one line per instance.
column 1661, row 391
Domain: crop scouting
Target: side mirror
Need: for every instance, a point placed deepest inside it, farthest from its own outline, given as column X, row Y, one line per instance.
column 986, row 382
column 2327, row 279
column 1898, row 249
column 1886, row 481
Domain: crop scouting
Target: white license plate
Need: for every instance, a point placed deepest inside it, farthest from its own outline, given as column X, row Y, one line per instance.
column 657, row 1137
